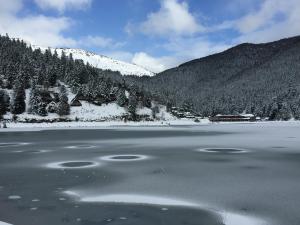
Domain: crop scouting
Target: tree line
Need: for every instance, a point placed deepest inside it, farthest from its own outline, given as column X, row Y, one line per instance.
column 41, row 73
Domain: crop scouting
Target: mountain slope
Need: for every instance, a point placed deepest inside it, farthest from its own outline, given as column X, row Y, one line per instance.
column 40, row 85
column 258, row 78
column 102, row 62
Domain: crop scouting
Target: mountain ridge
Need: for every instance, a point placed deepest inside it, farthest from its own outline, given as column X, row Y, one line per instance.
column 101, row 61
column 252, row 78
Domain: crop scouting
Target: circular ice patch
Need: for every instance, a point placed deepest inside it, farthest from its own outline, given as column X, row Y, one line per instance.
column 37, row 151
column 80, row 147
column 72, row 165
column 12, row 144
column 124, row 158
column 31, row 151
column 223, row 150
column 14, row 197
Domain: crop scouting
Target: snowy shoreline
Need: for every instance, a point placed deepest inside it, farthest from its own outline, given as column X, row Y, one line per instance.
column 94, row 125
column 13, row 127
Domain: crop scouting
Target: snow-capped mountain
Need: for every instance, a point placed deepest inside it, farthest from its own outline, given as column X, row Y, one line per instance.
column 102, row 62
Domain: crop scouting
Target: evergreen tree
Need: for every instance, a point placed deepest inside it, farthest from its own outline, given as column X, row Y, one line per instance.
column 132, row 104
column 4, row 102
column 63, row 107
column 284, row 112
column 121, row 97
column 155, row 111
column 34, row 99
column 18, row 104
column 42, row 111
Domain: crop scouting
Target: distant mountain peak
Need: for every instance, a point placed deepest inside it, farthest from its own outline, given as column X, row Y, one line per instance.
column 101, row 61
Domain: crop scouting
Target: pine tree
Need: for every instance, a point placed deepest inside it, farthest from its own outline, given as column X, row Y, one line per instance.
column 4, row 102
column 121, row 97
column 155, row 111
column 63, row 107
column 284, row 112
column 42, row 111
column 132, row 104
column 18, row 104
column 34, row 99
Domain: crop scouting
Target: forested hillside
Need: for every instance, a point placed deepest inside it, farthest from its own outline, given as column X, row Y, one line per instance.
column 46, row 77
column 263, row 79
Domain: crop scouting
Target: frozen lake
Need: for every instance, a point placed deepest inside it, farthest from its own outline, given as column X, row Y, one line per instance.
column 234, row 174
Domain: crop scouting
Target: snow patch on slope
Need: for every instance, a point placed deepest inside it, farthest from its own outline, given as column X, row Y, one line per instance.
column 102, row 62
column 91, row 112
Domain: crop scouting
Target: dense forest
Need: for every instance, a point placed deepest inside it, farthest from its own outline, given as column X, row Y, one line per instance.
column 24, row 69
column 263, row 79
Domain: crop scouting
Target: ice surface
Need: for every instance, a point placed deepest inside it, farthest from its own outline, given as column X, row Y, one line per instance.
column 250, row 188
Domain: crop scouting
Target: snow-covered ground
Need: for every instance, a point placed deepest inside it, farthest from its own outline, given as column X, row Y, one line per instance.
column 102, row 62
column 92, row 113
column 12, row 127
column 86, row 115
column 64, row 125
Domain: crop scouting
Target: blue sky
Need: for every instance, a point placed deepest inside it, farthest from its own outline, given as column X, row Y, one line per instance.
column 156, row 34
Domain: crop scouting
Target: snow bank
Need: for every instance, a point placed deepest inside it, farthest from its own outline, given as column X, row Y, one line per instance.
column 12, row 127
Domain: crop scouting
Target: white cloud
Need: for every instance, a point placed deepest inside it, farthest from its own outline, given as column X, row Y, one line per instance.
column 151, row 63
column 143, row 59
column 272, row 20
column 195, row 47
column 265, row 24
column 262, row 17
column 172, row 18
column 120, row 55
column 8, row 7
column 178, row 51
column 100, row 42
column 62, row 5
column 38, row 29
